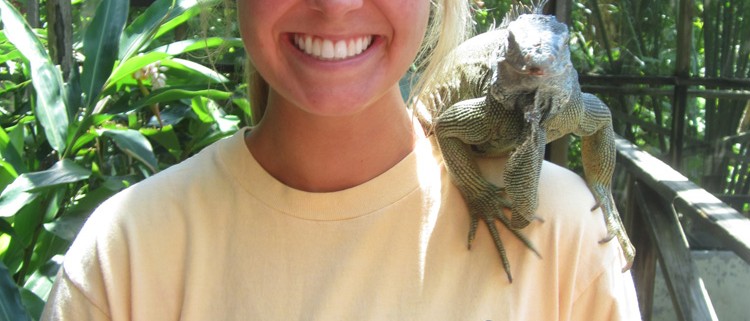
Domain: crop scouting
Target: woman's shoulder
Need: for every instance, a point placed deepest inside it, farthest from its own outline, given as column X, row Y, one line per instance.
column 570, row 220
column 167, row 195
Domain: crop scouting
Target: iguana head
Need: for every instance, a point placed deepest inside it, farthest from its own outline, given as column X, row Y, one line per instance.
column 533, row 69
column 536, row 57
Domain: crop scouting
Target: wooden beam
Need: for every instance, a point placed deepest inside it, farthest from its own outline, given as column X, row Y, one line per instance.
column 728, row 226
column 613, row 90
column 689, row 296
column 737, row 83
column 644, row 266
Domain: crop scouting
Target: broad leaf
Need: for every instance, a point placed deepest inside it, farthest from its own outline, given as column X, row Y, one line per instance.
column 161, row 17
column 23, row 189
column 100, row 44
column 69, row 224
column 6, row 228
column 182, row 12
column 39, row 285
column 177, row 94
column 192, row 70
column 126, row 69
column 10, row 154
column 33, row 303
column 11, row 307
column 142, row 29
column 8, row 86
column 181, row 47
column 167, row 138
column 50, row 108
column 25, row 224
column 133, row 143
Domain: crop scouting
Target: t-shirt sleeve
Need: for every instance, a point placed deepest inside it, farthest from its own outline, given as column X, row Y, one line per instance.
column 68, row 302
column 610, row 296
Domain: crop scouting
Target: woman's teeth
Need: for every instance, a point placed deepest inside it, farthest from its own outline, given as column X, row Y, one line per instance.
column 325, row 49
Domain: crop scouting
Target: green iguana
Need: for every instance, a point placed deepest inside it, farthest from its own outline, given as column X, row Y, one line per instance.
column 513, row 90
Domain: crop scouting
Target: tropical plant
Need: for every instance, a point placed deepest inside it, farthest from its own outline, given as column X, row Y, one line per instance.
column 135, row 107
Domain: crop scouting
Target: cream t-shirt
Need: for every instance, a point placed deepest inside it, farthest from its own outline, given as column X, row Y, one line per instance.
column 217, row 238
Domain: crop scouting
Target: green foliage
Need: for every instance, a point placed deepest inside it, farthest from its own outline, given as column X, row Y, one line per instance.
column 488, row 13
column 639, row 38
column 131, row 107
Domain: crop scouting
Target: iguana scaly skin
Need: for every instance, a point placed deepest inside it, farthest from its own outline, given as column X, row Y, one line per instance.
column 512, row 90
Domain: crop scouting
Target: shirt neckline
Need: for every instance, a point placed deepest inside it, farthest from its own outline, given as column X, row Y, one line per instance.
column 371, row 196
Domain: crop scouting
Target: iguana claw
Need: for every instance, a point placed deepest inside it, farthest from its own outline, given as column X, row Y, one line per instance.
column 615, row 228
column 486, row 208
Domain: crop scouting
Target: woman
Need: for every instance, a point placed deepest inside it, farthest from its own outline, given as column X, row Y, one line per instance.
column 334, row 207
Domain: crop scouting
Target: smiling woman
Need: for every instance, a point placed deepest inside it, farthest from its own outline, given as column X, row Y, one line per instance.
column 448, row 26
column 334, row 206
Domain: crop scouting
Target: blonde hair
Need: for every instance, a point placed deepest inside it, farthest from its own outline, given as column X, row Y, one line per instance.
column 449, row 25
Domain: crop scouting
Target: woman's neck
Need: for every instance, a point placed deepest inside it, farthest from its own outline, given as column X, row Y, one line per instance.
column 325, row 154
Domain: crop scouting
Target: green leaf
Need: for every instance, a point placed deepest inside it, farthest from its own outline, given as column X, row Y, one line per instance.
column 244, row 105
column 33, row 303
column 25, row 223
column 38, row 286
column 50, row 109
column 142, row 29
column 11, row 306
column 14, row 199
column 6, row 228
column 8, row 86
column 200, row 108
column 47, row 247
column 182, row 12
column 10, row 55
column 181, row 47
column 133, row 143
column 10, row 154
column 193, row 70
column 7, row 174
column 23, row 189
column 69, row 224
column 159, row 18
column 100, row 44
column 167, row 138
column 177, row 94
column 126, row 69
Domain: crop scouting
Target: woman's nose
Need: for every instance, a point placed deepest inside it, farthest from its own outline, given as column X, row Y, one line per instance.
column 335, row 8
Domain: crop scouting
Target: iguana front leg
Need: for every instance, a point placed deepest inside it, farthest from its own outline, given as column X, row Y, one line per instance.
column 598, row 155
column 523, row 170
column 462, row 125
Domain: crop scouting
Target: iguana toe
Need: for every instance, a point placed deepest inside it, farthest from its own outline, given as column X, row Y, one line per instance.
column 615, row 228
column 489, row 209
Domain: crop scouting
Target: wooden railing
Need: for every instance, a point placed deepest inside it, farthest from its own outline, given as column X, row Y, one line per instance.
column 660, row 204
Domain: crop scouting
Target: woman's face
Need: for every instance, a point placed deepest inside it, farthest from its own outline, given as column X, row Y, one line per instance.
column 332, row 57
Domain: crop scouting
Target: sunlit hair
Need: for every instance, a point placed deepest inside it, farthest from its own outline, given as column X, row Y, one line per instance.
column 448, row 26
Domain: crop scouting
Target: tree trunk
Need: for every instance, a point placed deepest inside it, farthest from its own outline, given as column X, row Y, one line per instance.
column 60, row 34
column 32, row 13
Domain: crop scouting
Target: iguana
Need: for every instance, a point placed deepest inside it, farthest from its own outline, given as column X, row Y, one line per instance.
column 512, row 90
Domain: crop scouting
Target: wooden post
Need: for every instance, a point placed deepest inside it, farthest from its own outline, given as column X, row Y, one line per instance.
column 689, row 296
column 644, row 266
column 557, row 151
column 682, row 71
